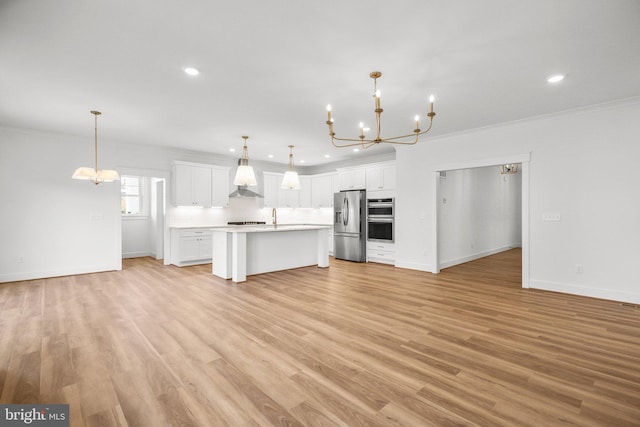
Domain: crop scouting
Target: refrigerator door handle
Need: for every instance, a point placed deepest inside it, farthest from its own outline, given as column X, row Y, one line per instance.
column 345, row 209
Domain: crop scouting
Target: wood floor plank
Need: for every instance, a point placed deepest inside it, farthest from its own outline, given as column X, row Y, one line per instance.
column 355, row 344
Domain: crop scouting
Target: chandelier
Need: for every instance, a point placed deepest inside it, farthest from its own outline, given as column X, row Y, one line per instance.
column 509, row 168
column 96, row 175
column 362, row 141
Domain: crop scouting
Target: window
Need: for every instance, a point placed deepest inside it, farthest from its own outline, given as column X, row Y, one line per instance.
column 131, row 190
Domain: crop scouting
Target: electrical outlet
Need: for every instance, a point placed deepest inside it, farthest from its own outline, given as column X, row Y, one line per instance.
column 551, row 216
column 579, row 268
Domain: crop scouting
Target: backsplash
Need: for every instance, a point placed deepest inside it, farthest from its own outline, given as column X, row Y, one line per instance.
column 245, row 210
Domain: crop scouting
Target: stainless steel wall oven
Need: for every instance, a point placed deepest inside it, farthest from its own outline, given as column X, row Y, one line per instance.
column 380, row 220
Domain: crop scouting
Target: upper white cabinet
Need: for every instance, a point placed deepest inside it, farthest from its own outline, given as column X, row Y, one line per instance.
column 220, row 186
column 196, row 184
column 192, row 185
column 306, row 192
column 322, row 189
column 277, row 197
column 381, row 177
column 352, row 179
column 271, row 182
column 288, row 198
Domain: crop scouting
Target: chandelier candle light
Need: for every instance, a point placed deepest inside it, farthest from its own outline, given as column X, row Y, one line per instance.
column 291, row 181
column 245, row 175
column 408, row 139
column 95, row 175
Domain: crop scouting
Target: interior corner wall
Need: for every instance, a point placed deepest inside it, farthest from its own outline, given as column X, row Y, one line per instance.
column 583, row 167
column 479, row 214
column 52, row 225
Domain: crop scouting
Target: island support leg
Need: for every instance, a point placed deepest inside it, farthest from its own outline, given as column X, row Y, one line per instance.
column 239, row 263
column 323, row 248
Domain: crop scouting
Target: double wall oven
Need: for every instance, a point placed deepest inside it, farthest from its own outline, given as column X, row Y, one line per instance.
column 380, row 220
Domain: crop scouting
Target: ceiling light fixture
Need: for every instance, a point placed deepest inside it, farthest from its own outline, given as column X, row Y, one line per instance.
column 95, row 175
column 555, row 78
column 509, row 168
column 191, row 71
column 291, row 181
column 245, row 175
column 408, row 139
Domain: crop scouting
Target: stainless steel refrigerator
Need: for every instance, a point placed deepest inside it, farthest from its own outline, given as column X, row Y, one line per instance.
column 349, row 222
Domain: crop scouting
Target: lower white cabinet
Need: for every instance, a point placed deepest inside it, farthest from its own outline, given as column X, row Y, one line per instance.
column 381, row 252
column 191, row 246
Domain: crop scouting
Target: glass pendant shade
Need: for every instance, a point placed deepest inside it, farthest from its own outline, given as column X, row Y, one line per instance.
column 291, row 181
column 101, row 176
column 96, row 175
column 245, row 176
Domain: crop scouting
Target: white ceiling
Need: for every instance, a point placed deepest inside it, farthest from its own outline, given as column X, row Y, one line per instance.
column 269, row 68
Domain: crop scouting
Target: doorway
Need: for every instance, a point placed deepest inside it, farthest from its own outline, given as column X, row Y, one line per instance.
column 523, row 160
column 144, row 228
column 479, row 214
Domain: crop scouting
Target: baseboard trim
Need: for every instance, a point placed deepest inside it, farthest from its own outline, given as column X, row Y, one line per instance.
column 573, row 289
column 415, row 266
column 34, row 275
column 138, row 254
column 451, row 263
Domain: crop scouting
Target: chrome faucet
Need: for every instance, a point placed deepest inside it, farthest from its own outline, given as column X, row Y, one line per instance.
column 274, row 217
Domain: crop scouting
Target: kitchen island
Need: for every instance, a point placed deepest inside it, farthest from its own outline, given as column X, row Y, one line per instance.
column 242, row 251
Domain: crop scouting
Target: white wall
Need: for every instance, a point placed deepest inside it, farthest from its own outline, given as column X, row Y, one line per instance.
column 50, row 224
column 479, row 214
column 583, row 166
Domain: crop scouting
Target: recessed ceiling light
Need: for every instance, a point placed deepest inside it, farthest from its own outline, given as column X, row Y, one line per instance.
column 270, row 156
column 555, row 78
column 301, row 161
column 326, row 156
column 232, row 150
column 191, row 71
column 355, row 150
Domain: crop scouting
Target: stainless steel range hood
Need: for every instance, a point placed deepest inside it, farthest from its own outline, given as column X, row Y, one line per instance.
column 244, row 192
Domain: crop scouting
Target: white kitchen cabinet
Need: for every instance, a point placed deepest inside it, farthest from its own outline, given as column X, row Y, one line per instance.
column 381, row 252
column 191, row 246
column 381, row 177
column 288, row 198
column 220, row 186
column 305, row 192
column 352, row 179
column 322, row 189
column 192, row 185
column 271, row 183
column 277, row 197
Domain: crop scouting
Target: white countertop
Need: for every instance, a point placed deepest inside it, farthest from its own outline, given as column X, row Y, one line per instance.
column 268, row 228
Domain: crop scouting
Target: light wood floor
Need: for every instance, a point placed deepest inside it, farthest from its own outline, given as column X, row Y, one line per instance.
column 351, row 345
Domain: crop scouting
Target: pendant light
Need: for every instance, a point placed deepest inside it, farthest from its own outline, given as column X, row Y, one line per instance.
column 245, row 175
column 94, row 174
column 291, row 180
